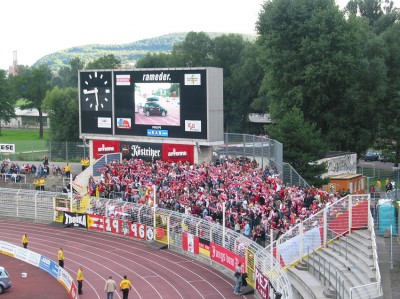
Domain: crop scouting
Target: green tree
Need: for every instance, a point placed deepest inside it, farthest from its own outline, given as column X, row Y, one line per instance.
column 241, row 89
column 302, row 144
column 69, row 74
column 313, row 60
column 6, row 101
column 195, row 50
column 61, row 105
column 105, row 62
column 389, row 129
column 31, row 84
column 154, row 60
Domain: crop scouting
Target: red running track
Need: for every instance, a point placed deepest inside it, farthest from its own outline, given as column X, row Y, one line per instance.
column 154, row 273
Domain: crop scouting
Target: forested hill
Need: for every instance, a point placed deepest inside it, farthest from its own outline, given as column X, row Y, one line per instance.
column 127, row 53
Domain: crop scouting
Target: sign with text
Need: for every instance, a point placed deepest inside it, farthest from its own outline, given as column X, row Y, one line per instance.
column 225, row 257
column 7, row 148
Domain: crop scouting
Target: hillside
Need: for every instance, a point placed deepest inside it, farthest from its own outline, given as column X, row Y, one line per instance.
column 127, row 53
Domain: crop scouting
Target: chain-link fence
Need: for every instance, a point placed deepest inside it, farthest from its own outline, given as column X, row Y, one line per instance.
column 35, row 150
column 264, row 150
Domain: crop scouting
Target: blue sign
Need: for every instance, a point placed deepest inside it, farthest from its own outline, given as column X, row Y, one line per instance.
column 49, row 266
column 157, row 133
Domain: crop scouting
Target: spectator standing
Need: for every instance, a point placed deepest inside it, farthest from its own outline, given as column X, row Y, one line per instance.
column 110, row 287
column 125, row 286
column 25, row 240
column 67, row 170
column 45, row 161
column 42, row 181
column 79, row 279
column 247, row 229
column 83, row 163
column 238, row 276
column 61, row 257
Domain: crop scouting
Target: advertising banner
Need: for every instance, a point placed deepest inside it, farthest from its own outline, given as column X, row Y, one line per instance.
column 262, row 284
column 34, row 258
column 7, row 248
column 7, row 148
column 225, row 257
column 65, row 279
column 178, row 153
column 102, row 147
column 49, row 266
column 75, row 220
column 141, row 150
column 22, row 254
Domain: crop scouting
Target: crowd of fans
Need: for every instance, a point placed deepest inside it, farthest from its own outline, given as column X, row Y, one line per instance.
column 255, row 199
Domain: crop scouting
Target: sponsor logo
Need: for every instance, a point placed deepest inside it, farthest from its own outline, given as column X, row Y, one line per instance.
column 104, row 148
column 75, row 220
column 123, row 80
column 192, row 125
column 7, row 148
column 104, row 122
column 192, row 79
column 124, row 123
column 157, row 133
column 157, row 77
column 138, row 151
column 175, row 153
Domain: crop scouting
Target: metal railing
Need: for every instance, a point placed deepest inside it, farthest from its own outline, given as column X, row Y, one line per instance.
column 40, row 207
column 265, row 151
column 339, row 218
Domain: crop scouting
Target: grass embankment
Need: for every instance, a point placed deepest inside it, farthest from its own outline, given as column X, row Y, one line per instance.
column 28, row 146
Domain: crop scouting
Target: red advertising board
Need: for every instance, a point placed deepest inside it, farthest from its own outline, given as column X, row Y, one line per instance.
column 178, row 152
column 102, row 147
column 73, row 294
column 262, row 284
column 225, row 257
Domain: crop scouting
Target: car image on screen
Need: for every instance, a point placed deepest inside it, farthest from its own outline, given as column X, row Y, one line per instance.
column 152, row 108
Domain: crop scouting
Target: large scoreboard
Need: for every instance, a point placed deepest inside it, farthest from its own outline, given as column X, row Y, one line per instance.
column 152, row 104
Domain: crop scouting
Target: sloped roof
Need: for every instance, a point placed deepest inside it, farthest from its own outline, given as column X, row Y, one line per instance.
column 28, row 112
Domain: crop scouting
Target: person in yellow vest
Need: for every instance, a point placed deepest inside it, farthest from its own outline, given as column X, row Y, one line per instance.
column 25, row 240
column 61, row 257
column 67, row 170
column 42, row 181
column 83, row 164
column 86, row 162
column 36, row 184
column 79, row 279
column 125, row 286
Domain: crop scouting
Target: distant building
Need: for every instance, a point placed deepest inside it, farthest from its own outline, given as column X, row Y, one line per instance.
column 13, row 69
column 28, row 118
column 260, row 118
column 339, row 163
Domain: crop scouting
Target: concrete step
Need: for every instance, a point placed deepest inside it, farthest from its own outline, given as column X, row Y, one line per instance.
column 306, row 285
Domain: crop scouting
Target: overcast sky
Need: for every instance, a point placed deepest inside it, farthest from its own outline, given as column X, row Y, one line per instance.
column 35, row 28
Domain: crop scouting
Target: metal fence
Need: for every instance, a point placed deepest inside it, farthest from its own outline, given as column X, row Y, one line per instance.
column 316, row 232
column 40, row 207
column 35, row 150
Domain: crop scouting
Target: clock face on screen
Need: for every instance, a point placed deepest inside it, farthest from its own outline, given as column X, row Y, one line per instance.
column 96, row 91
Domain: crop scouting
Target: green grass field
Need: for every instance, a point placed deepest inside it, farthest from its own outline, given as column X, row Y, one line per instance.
column 28, row 146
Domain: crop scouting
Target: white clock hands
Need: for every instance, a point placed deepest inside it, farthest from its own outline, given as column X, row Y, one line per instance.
column 97, row 99
column 95, row 90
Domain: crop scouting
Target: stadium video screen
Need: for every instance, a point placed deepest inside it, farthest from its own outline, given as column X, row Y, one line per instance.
column 157, row 104
column 161, row 103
